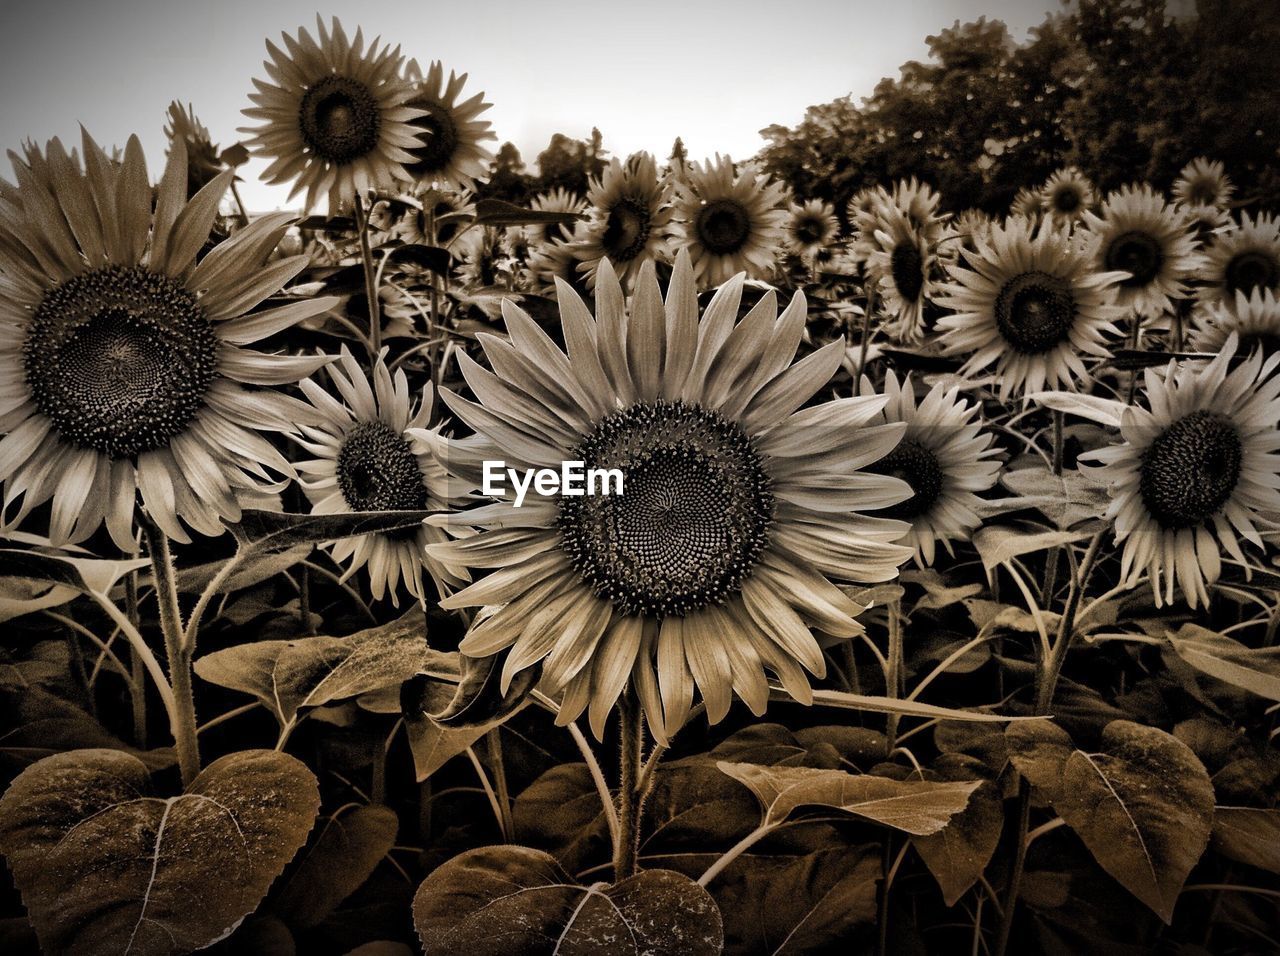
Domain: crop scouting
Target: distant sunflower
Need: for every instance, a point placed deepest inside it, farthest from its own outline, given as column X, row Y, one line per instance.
column 435, row 216
column 903, row 263
column 1244, row 258
column 336, row 118
column 1141, row 234
column 730, row 221
column 366, row 461
column 630, row 217
column 1203, row 182
column 971, row 225
column 1067, row 195
column 1206, row 222
column 557, row 200
column 739, row 504
column 944, row 456
column 121, row 360
column 451, row 153
column 1031, row 304
column 916, row 201
column 1028, row 203
column 551, row 261
column 1202, row 461
column 811, row 228
column 203, row 163
column 1255, row 321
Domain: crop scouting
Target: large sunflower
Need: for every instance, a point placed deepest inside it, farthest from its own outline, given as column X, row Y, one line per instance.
column 1244, row 258
column 904, row 264
column 121, row 356
column 1203, row 182
column 713, row 566
column 1067, row 195
column 452, row 134
column 1030, row 303
column 1200, row 462
column 944, row 456
column 1255, row 321
column 630, row 217
column 366, row 461
column 730, row 221
column 1141, row 234
column 335, row 116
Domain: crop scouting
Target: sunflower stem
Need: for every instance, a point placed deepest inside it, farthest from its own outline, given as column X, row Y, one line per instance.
column 893, row 675
column 370, row 281
column 1133, row 373
column 182, row 722
column 1051, row 670
column 499, row 771
column 1051, row 560
column 631, row 731
column 137, row 669
column 865, row 336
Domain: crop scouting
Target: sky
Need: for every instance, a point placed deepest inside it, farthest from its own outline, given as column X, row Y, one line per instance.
column 714, row 73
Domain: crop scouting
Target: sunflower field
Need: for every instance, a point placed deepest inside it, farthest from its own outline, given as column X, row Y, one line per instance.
column 934, row 609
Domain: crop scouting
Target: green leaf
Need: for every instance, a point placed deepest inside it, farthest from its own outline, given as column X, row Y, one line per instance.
column 237, row 154
column 1066, row 499
column 104, row 867
column 432, row 258
column 560, row 813
column 500, row 900
column 91, row 575
column 268, row 531
column 1257, row 670
column 479, row 700
column 252, row 571
column 914, row 806
column 1250, row 835
column 1143, row 805
column 23, row 595
column 496, row 212
column 997, row 544
column 291, row 675
column 893, row 705
column 1104, row 411
column 958, row 855
column 338, row 860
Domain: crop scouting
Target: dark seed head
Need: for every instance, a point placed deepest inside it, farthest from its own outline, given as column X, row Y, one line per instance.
column 626, row 230
column 1252, row 269
column 723, row 226
column 1190, row 471
column 1066, row 199
column 440, row 139
column 1034, row 312
column 1137, row 253
column 120, row 359
column 809, row 230
column 339, row 119
column 915, row 464
column 907, row 263
column 691, row 522
column 377, row 471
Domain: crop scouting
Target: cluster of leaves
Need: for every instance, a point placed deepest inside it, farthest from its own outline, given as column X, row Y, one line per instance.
column 1122, row 89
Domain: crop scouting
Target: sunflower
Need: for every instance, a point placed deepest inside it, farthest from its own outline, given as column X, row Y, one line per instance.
column 121, row 359
column 551, row 261
column 903, row 263
column 366, row 461
column 1203, row 182
column 714, row 565
column 944, row 456
column 557, row 200
column 916, row 201
column 452, row 153
column 971, row 225
column 630, row 217
column 202, row 155
column 811, row 228
column 1255, row 321
column 435, row 216
column 1206, row 222
column 1067, row 195
column 730, row 221
column 1031, row 303
column 1200, row 462
column 1028, row 203
column 335, row 116
column 1245, row 258
column 1141, row 234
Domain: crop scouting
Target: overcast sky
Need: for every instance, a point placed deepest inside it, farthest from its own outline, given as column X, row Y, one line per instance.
column 714, row 73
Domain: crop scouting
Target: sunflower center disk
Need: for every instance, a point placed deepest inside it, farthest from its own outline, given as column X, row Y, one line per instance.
column 1034, row 312
column 723, row 226
column 915, row 464
column 907, row 264
column 1066, row 199
column 339, row 119
column 626, row 231
column 1252, row 270
column 810, row 231
column 1190, row 471
column 692, row 520
column 377, row 470
column 1138, row 254
column 120, row 359
column 440, row 142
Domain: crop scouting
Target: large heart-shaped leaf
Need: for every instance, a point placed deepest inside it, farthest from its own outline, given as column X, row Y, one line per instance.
column 914, row 806
column 289, row 676
column 105, row 867
column 1248, row 834
column 958, row 855
column 1257, row 670
column 1143, row 805
column 1066, row 499
column 499, row 900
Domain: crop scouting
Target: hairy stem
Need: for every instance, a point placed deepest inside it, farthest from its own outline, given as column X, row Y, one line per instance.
column 370, row 281
column 627, row 844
